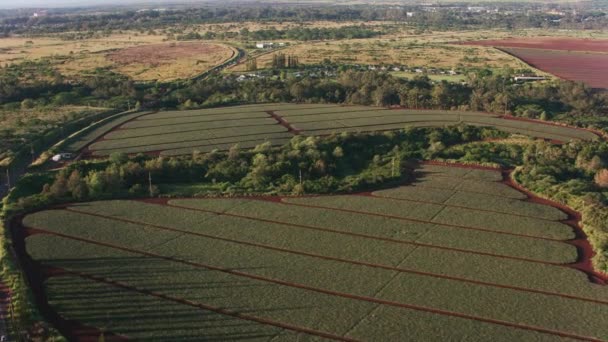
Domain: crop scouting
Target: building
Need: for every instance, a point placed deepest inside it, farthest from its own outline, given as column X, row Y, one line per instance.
column 264, row 45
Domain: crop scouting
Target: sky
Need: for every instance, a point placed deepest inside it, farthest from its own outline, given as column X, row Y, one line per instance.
column 67, row 3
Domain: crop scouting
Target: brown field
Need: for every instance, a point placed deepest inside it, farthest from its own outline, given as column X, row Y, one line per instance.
column 143, row 57
column 375, row 52
column 169, row 61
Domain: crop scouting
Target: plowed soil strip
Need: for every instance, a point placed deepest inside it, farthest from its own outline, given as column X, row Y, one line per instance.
column 218, row 310
column 366, row 236
column 334, row 293
column 348, row 261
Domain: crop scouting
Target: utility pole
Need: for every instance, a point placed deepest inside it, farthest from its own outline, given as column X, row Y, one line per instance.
column 150, row 183
column 300, row 176
column 33, row 153
column 393, row 168
column 8, row 178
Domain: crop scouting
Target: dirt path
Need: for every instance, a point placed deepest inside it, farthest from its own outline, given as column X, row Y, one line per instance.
column 283, row 122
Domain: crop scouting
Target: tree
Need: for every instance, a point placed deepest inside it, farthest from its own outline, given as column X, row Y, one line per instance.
column 27, row 104
column 60, row 186
column 77, row 186
column 252, row 64
column 601, row 178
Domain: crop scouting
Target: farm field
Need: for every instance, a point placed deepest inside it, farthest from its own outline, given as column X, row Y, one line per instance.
column 182, row 132
column 422, row 261
column 582, row 60
column 586, row 67
column 549, row 43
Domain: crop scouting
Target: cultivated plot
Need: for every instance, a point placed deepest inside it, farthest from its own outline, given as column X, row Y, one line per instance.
column 428, row 261
column 182, row 132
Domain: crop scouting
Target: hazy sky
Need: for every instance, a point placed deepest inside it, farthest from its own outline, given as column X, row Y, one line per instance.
column 64, row 3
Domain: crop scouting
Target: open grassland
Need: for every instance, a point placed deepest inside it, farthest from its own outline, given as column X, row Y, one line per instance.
column 142, row 57
column 182, row 132
column 403, row 46
column 359, row 267
column 170, row 61
column 394, row 51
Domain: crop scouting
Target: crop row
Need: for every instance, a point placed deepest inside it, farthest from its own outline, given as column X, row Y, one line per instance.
column 362, row 238
column 467, row 173
column 328, row 276
column 423, row 234
column 296, row 304
column 221, row 111
column 202, row 127
column 379, row 113
column 89, row 137
column 138, row 315
column 143, row 122
column 176, row 140
column 504, row 223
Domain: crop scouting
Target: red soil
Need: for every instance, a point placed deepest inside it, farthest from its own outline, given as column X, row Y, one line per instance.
column 589, row 68
column 546, row 43
column 159, row 54
column 283, row 122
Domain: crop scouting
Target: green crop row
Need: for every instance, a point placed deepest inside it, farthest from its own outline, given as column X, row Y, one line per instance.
column 380, row 227
column 145, row 317
column 97, row 130
column 187, row 116
column 445, row 215
column 144, row 132
column 156, row 142
column 551, row 312
column 258, row 298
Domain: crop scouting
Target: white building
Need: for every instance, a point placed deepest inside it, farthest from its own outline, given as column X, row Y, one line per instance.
column 264, row 45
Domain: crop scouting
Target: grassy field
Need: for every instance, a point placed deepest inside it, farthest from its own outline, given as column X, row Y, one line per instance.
column 142, row 57
column 333, row 267
column 182, row 132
